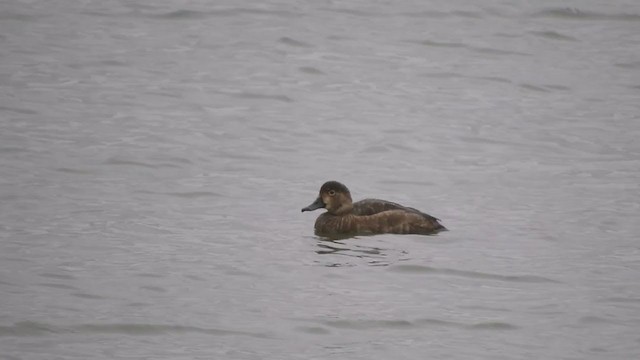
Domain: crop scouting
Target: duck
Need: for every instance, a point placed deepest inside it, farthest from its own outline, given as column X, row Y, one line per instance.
column 366, row 217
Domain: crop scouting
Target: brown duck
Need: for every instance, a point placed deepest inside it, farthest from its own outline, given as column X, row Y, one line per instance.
column 367, row 217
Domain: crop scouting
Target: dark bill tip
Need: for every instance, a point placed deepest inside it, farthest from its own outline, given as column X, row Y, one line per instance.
column 318, row 204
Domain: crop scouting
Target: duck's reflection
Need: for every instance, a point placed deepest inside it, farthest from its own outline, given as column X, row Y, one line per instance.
column 337, row 247
column 373, row 255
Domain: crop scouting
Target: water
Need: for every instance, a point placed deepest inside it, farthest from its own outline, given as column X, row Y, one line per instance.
column 155, row 158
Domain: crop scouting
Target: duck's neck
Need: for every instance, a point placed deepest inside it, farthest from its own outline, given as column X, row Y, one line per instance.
column 344, row 209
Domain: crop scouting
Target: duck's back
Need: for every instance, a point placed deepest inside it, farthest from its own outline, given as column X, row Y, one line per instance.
column 375, row 206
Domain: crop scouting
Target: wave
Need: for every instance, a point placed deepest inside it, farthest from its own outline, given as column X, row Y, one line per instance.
column 577, row 14
column 31, row 328
column 421, row 269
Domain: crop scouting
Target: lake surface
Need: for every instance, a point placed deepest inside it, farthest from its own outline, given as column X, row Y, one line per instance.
column 154, row 158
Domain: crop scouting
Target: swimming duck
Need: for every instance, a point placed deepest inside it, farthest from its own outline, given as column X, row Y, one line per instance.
column 367, row 217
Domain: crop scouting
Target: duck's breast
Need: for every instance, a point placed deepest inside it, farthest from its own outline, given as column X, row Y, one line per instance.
column 327, row 225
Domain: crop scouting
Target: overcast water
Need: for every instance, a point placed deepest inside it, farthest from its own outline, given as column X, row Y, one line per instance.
column 154, row 158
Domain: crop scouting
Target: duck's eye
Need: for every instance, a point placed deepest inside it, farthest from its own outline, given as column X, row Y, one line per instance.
column 332, row 192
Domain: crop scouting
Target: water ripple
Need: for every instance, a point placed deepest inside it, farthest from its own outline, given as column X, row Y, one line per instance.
column 256, row 96
column 628, row 65
column 369, row 324
column 58, row 286
column 442, row 44
column 493, row 325
column 445, row 14
column 406, row 324
column 354, row 12
column 194, row 194
column 157, row 289
column 311, row 70
column 89, row 296
column 421, row 269
column 313, row 330
column 12, row 149
column 250, row 11
column 18, row 110
column 451, row 75
column 577, row 14
column 30, row 328
column 477, row 49
column 533, row 88
column 116, row 161
column 553, row 35
column 73, row 171
column 183, row 14
column 622, row 300
column 2, row 282
column 58, row 276
column 592, row 319
column 416, row 14
column 292, row 42
column 187, row 14
column 5, row 15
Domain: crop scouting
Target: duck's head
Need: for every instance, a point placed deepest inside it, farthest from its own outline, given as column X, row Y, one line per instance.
column 335, row 197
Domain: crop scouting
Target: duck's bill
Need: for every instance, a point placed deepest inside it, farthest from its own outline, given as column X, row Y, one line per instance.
column 318, row 204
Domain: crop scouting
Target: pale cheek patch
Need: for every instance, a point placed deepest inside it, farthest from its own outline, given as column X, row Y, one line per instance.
column 327, row 201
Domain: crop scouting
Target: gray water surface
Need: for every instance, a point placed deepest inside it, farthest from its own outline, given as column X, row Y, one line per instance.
column 154, row 158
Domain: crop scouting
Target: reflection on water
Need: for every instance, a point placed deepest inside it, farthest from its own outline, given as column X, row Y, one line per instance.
column 371, row 255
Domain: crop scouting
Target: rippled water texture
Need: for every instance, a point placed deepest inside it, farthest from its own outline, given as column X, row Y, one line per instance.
column 154, row 158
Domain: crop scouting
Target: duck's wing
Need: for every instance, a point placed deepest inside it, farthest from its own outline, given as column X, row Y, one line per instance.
column 405, row 222
column 375, row 206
